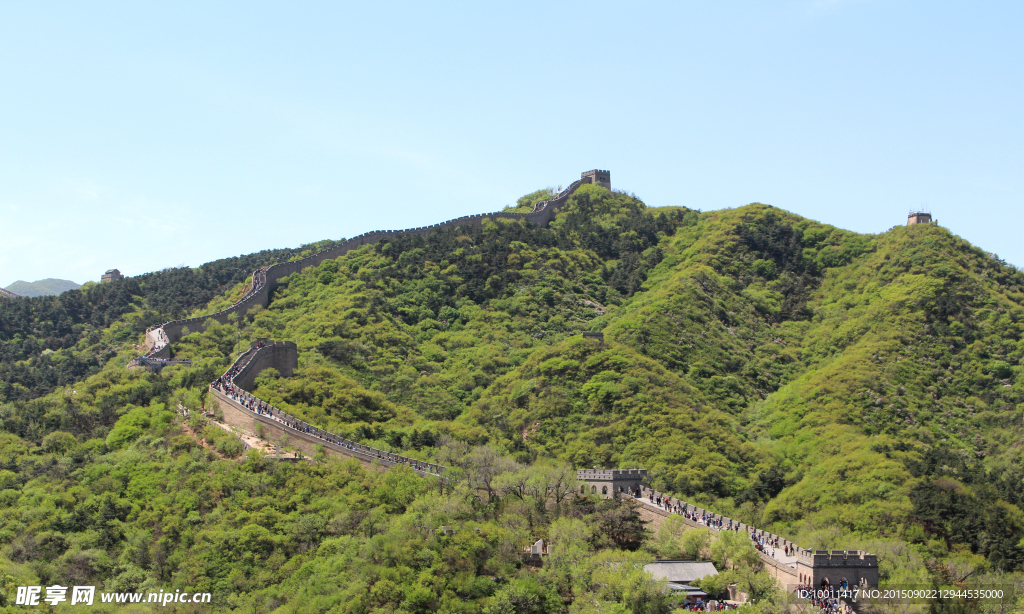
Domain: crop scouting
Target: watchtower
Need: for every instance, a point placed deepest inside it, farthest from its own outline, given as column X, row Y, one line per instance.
column 919, row 217
column 859, row 568
column 111, row 275
column 601, row 178
column 607, row 482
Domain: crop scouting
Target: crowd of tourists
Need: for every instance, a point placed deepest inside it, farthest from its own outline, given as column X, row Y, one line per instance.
column 708, row 606
column 226, row 385
column 765, row 544
column 827, row 598
column 768, row 544
column 159, row 343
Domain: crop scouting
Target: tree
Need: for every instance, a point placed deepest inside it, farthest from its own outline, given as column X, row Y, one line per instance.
column 616, row 522
column 729, row 547
column 667, row 542
column 568, row 564
column 758, row 585
column 620, row 577
column 694, row 542
column 485, row 465
column 715, row 585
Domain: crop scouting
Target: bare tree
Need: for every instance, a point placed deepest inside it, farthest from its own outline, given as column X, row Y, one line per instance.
column 485, row 465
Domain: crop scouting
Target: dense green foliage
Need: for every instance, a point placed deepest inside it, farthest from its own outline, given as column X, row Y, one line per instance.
column 848, row 391
column 52, row 341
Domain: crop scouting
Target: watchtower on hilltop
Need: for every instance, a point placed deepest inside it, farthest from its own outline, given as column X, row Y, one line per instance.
column 919, row 217
column 111, row 275
column 601, row 178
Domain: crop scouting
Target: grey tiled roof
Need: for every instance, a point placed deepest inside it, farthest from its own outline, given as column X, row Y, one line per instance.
column 682, row 572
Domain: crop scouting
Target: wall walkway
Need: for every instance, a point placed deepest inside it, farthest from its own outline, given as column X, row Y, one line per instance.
column 267, row 279
column 243, row 410
column 801, row 568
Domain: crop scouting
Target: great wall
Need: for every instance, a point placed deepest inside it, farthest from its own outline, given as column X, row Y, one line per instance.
column 802, row 568
column 243, row 410
column 232, row 390
column 267, row 279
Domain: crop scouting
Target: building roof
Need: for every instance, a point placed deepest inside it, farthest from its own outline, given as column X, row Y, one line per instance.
column 691, row 591
column 681, row 572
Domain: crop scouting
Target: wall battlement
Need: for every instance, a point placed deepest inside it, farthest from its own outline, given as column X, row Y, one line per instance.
column 919, row 217
column 610, row 474
column 811, row 566
column 598, row 177
column 837, row 558
column 242, row 409
column 271, row 276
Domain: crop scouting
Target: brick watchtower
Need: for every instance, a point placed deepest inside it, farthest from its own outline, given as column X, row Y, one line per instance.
column 918, row 217
column 601, row 178
column 607, row 482
column 859, row 568
column 111, row 275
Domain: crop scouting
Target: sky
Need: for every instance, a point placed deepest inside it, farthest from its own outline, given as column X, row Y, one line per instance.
column 141, row 136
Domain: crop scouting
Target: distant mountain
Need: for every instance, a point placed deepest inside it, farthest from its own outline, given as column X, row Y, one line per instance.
column 43, row 287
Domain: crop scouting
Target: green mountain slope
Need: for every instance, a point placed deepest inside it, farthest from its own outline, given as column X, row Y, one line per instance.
column 845, row 390
column 42, row 287
column 761, row 340
column 51, row 341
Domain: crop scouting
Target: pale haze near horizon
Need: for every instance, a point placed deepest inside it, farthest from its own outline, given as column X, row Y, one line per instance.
column 143, row 137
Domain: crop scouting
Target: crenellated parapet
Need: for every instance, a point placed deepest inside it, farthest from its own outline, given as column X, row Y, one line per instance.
column 267, row 279
column 799, row 568
column 284, row 355
column 859, row 568
column 232, row 391
column 608, row 482
column 837, row 558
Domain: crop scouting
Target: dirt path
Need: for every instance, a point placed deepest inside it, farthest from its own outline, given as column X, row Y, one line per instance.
column 250, row 439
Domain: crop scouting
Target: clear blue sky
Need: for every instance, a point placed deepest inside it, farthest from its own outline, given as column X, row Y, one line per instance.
column 144, row 135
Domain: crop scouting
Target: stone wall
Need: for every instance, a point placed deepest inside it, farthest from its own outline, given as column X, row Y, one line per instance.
column 246, row 411
column 280, row 355
column 859, row 568
column 274, row 273
column 542, row 214
column 786, row 576
column 273, row 432
column 811, row 567
column 238, row 417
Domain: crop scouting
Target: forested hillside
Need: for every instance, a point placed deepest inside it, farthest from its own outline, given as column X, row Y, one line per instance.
column 846, row 390
column 51, row 341
column 42, row 287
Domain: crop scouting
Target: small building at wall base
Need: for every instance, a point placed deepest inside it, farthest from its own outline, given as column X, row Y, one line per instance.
column 681, row 572
column 608, row 482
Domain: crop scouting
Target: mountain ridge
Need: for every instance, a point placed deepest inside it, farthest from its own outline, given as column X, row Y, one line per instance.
column 844, row 390
column 42, row 287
